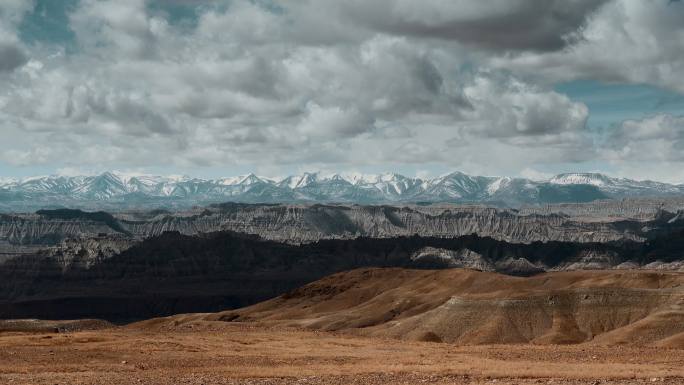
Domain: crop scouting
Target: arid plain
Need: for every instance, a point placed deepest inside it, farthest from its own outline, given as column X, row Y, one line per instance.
column 234, row 353
column 292, row 339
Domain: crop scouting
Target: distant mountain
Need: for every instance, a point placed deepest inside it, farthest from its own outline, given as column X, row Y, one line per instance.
column 119, row 190
column 619, row 187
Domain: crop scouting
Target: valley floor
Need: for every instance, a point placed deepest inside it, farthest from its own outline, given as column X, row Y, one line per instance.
column 189, row 350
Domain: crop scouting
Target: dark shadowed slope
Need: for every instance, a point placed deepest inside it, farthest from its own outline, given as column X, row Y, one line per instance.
column 176, row 273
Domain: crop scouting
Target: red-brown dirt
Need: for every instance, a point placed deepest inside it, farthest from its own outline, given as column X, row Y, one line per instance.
column 384, row 326
column 469, row 307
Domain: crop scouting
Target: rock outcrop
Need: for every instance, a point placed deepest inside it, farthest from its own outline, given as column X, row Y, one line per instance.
column 430, row 257
column 300, row 224
column 176, row 273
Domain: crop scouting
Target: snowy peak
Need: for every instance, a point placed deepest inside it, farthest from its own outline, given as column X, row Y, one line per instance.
column 103, row 186
column 250, row 180
column 593, row 179
column 455, row 187
column 299, row 181
column 395, row 184
column 498, row 184
column 618, row 187
column 458, row 185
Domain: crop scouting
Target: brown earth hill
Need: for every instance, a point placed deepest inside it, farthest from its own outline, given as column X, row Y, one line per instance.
column 471, row 307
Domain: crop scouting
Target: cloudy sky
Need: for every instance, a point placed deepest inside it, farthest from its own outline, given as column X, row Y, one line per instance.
column 216, row 88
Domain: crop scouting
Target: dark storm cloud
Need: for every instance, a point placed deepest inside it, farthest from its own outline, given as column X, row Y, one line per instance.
column 12, row 53
column 499, row 24
column 625, row 41
column 11, row 57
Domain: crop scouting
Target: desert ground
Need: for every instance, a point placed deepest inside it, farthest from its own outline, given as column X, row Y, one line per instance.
column 179, row 351
column 383, row 326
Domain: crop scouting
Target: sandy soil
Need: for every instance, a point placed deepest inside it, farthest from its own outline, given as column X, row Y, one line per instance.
column 190, row 351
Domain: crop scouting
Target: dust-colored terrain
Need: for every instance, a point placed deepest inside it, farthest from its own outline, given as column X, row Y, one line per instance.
column 472, row 307
column 189, row 351
column 384, row 326
column 44, row 326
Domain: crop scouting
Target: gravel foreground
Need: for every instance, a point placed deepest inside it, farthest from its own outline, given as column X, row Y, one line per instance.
column 167, row 351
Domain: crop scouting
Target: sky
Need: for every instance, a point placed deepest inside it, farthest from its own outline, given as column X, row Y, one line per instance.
column 207, row 88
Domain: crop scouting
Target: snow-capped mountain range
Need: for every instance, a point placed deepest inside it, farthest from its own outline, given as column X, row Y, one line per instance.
column 138, row 190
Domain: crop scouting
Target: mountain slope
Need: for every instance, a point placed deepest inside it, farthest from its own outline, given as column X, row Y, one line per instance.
column 471, row 307
column 144, row 191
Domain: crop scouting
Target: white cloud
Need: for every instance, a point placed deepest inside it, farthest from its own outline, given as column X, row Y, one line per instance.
column 335, row 121
column 656, row 138
column 510, row 108
column 531, row 173
column 115, row 28
column 327, row 84
column 12, row 11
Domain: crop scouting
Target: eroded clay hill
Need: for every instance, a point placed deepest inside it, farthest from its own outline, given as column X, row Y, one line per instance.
column 471, row 307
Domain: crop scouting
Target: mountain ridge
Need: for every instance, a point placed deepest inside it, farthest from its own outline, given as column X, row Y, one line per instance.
column 455, row 187
column 176, row 273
